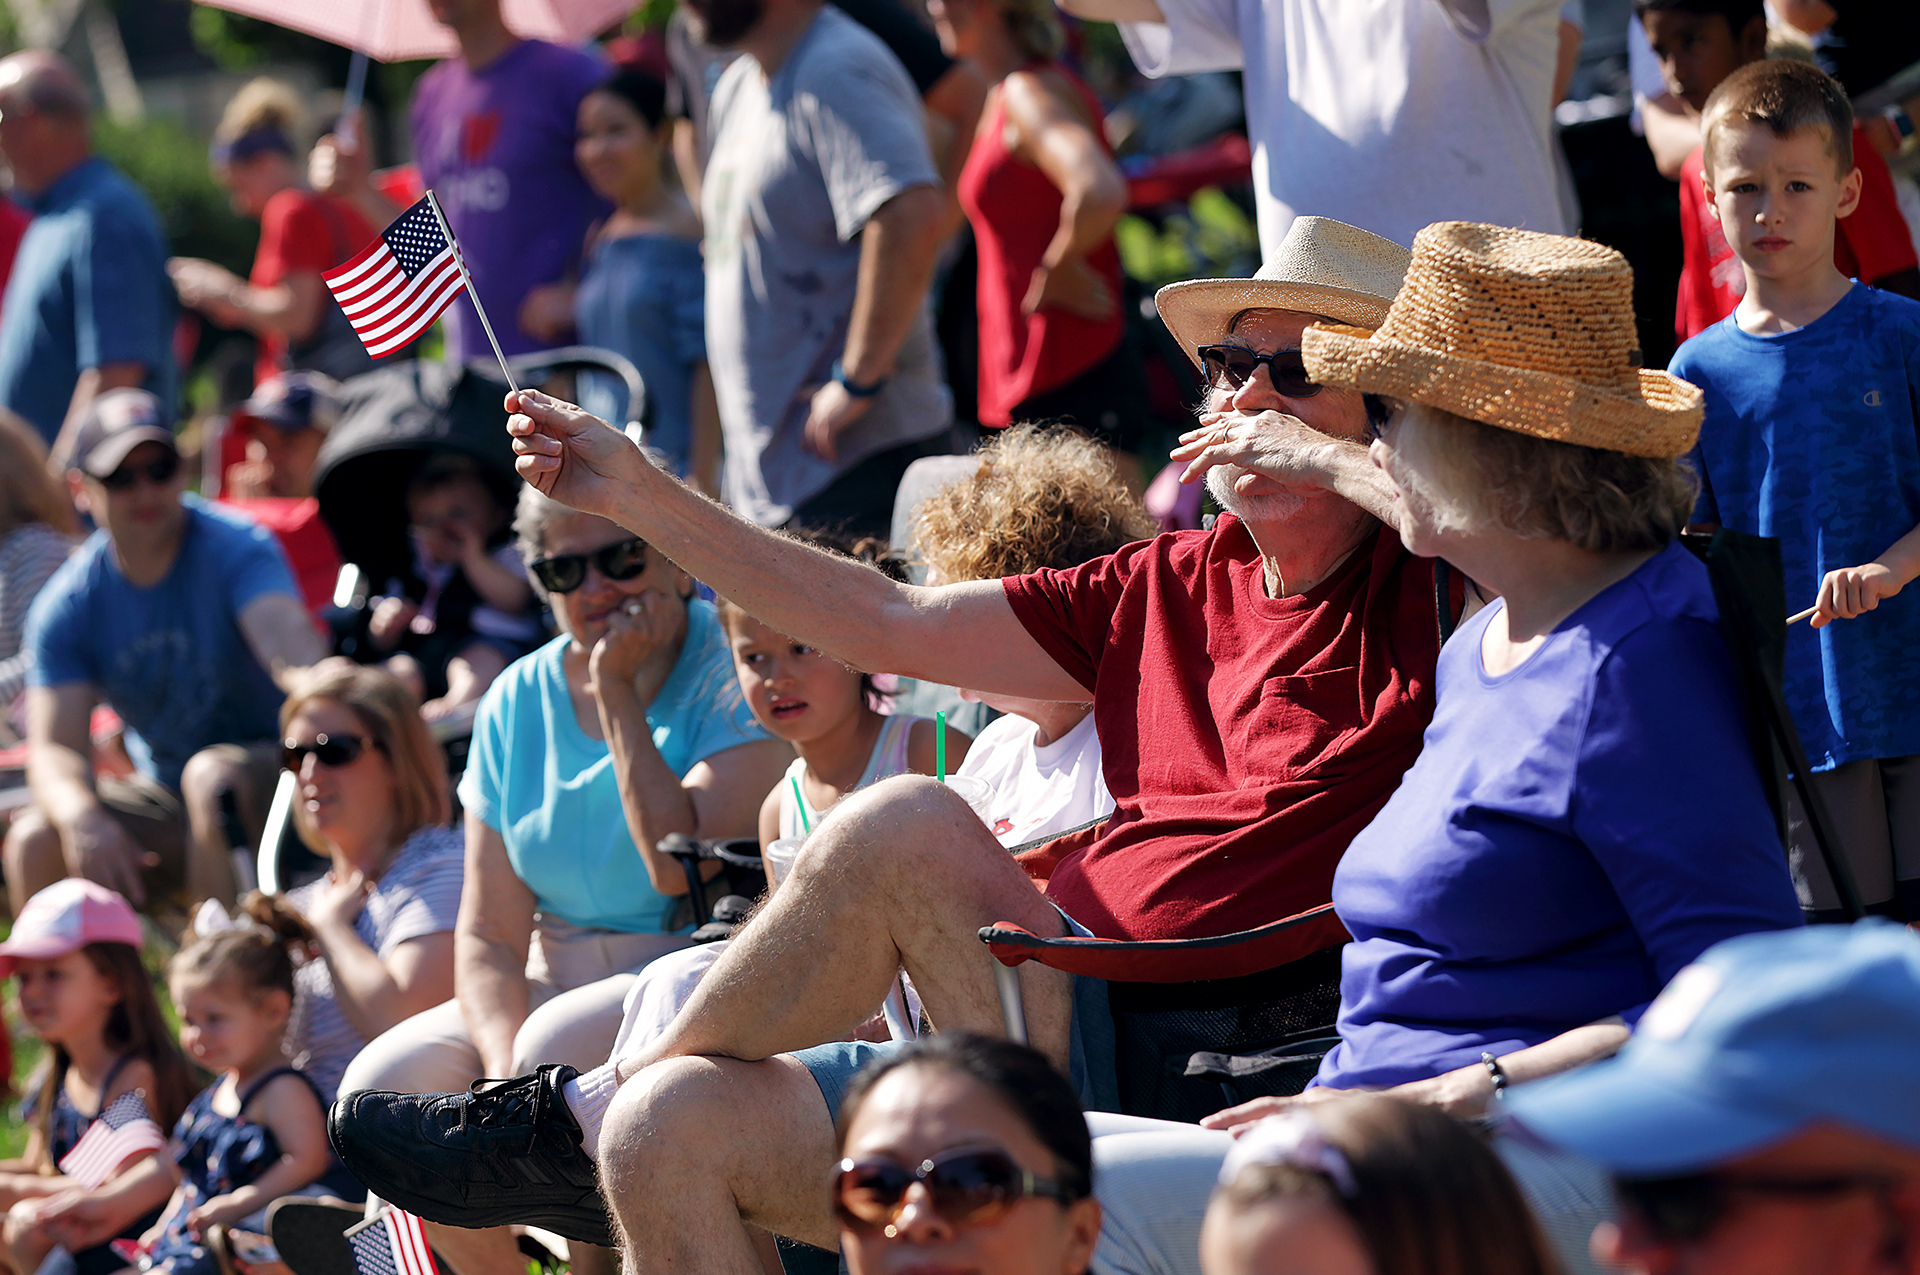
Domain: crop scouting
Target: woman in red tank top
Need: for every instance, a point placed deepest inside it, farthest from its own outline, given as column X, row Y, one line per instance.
column 1043, row 194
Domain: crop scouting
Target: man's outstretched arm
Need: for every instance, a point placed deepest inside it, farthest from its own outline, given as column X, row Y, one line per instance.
column 960, row 635
column 1114, row 10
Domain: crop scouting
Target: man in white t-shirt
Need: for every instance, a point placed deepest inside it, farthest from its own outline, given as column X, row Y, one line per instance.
column 1386, row 114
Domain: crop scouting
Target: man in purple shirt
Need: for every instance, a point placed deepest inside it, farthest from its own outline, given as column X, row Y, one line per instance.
column 493, row 134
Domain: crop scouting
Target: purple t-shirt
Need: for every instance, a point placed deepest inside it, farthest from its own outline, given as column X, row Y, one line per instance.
column 496, row 145
column 1574, row 832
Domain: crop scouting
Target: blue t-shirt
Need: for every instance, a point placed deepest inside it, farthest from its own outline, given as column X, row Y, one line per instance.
column 645, row 296
column 89, row 286
column 1810, row 436
column 549, row 790
column 168, row 658
column 1574, row 832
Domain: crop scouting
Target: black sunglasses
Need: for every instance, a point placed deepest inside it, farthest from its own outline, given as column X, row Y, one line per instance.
column 1686, row 1210
column 159, row 471
column 563, row 573
column 1229, row 367
column 331, row 751
column 968, row 1188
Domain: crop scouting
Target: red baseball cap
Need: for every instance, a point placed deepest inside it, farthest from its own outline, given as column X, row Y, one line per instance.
column 65, row 917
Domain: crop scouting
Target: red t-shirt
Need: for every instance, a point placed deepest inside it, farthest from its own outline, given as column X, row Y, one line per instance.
column 13, row 226
column 300, row 230
column 1245, row 739
column 1870, row 244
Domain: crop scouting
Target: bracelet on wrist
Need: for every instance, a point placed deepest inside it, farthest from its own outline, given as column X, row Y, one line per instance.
column 1497, row 1073
column 855, row 388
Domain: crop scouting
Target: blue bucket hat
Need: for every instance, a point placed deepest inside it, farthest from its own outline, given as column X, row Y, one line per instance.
column 1763, row 1036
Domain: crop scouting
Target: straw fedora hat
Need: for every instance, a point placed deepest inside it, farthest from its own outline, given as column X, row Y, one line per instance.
column 1323, row 267
column 1530, row 332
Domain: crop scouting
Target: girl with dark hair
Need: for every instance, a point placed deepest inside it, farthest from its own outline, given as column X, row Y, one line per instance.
column 964, row 1152
column 84, row 992
column 642, row 291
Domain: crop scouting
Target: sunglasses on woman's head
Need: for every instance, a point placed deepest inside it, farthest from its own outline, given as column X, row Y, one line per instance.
column 1685, row 1210
column 1229, row 367
column 968, row 1188
column 331, row 751
column 563, row 573
column 159, row 471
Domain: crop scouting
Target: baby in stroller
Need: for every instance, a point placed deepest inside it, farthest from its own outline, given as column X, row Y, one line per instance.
column 465, row 610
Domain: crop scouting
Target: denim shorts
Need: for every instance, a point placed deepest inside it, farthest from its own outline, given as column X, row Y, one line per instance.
column 1090, row 1048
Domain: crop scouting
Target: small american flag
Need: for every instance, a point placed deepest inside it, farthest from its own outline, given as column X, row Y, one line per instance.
column 392, row 1244
column 393, row 291
column 123, row 1130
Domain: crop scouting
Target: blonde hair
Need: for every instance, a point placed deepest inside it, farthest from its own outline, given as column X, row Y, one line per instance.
column 1427, row 1195
column 1042, row 497
column 1033, row 25
column 28, row 493
column 391, row 717
column 1540, row 489
column 257, row 957
column 262, row 103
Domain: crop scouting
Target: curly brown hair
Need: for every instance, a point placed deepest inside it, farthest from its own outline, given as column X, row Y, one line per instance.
column 1042, row 497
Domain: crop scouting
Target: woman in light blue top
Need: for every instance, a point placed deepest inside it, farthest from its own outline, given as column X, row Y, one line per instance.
column 643, row 290
column 627, row 727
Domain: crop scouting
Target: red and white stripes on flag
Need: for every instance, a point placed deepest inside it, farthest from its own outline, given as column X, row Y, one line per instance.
column 393, row 291
column 123, row 1130
column 394, row 1243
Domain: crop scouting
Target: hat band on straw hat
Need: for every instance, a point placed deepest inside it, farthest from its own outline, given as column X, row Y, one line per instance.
column 1663, row 420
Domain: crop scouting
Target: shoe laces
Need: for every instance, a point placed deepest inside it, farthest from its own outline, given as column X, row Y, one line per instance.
column 506, row 1103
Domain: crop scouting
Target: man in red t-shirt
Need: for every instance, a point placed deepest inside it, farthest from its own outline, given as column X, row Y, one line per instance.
column 1258, row 689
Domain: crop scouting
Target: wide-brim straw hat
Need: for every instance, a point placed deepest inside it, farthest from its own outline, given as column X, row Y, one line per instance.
column 1322, row 267
column 1529, row 332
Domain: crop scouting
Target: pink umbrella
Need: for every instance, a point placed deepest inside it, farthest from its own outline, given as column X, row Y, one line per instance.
column 398, row 30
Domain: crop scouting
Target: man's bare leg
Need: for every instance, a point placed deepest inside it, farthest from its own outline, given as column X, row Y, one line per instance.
column 903, row 874
column 695, row 1148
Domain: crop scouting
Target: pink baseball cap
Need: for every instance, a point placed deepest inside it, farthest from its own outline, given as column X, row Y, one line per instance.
column 65, row 917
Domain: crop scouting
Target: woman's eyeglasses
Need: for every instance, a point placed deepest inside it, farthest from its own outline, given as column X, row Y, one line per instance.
column 968, row 1188
column 159, row 471
column 1228, row 367
column 331, row 751
column 563, row 573
column 1687, row 1209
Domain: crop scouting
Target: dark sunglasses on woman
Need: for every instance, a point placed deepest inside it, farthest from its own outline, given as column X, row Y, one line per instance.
column 331, row 751
column 563, row 573
column 968, row 1188
column 1228, row 367
column 159, row 471
column 1685, row 1210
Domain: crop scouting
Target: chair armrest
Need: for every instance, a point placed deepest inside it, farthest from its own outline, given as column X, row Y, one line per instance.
column 1171, row 960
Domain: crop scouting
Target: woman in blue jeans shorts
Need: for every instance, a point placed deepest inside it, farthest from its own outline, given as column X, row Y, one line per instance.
column 1586, row 816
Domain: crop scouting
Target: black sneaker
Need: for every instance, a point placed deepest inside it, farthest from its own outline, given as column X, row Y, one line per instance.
column 504, row 1151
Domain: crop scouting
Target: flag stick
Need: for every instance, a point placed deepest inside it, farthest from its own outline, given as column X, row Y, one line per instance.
column 1804, row 615
column 358, row 1227
column 466, row 278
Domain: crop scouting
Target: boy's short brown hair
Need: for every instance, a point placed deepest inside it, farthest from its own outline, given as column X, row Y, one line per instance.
column 1786, row 95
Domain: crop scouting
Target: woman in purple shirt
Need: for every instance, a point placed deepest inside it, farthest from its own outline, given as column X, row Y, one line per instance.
column 1586, row 815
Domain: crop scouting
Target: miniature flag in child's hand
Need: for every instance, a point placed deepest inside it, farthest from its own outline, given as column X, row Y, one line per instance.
column 392, row 1244
column 123, row 1130
column 393, row 291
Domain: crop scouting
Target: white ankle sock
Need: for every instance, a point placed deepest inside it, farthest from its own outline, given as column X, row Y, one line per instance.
column 587, row 1096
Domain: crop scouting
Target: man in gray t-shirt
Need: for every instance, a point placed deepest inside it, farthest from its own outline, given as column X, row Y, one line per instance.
column 824, row 214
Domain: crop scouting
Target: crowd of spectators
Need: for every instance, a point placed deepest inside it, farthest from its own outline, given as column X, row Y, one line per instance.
column 1439, row 708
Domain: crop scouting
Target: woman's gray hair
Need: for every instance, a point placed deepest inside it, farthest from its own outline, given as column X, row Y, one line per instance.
column 1540, row 489
column 533, row 518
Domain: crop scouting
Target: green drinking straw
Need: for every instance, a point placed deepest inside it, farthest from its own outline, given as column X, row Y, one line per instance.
column 800, row 804
column 940, row 747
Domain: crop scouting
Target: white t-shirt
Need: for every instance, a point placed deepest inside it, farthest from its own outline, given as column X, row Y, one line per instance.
column 1038, row 792
column 1385, row 114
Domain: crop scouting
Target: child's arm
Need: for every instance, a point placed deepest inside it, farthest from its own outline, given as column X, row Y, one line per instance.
column 288, row 1108
column 78, row 1218
column 920, row 748
column 152, row 1234
column 499, row 587
column 1853, row 591
column 770, row 815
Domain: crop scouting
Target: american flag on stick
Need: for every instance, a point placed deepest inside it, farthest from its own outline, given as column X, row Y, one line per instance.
column 391, row 1243
column 397, row 287
column 124, row 1129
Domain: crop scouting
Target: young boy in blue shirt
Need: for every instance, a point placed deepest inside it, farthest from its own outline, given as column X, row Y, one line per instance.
column 1810, row 436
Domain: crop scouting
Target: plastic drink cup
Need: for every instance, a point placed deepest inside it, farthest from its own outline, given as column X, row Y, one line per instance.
column 779, row 856
column 977, row 792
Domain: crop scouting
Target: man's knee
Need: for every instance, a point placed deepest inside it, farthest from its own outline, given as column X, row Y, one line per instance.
column 212, row 771
column 908, row 825
column 662, row 1123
